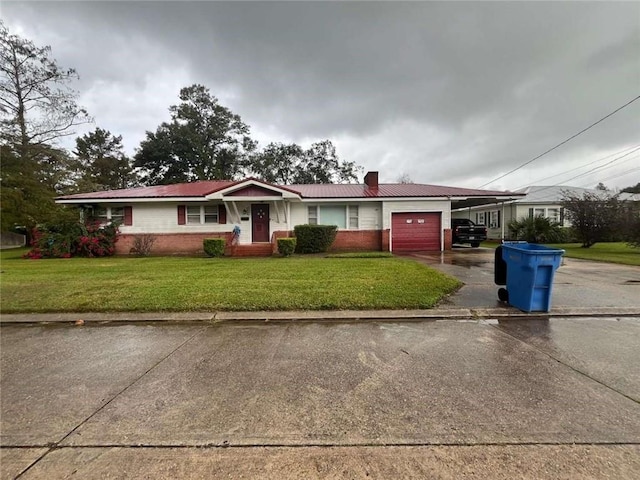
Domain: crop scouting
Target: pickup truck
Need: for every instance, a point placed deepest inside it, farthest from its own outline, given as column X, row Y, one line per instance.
column 465, row 231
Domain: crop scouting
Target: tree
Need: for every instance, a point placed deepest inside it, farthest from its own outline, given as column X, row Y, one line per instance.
column 404, row 179
column 291, row 164
column 37, row 108
column 37, row 105
column 203, row 141
column 102, row 163
column 27, row 189
column 278, row 163
column 536, row 229
column 595, row 217
column 633, row 189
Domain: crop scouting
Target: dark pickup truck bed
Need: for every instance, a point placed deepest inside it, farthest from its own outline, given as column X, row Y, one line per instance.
column 465, row 231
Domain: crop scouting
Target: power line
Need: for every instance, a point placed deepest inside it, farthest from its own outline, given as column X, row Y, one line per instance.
column 605, row 166
column 562, row 143
column 534, row 182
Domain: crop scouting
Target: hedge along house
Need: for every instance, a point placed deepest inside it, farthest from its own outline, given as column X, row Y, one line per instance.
column 369, row 216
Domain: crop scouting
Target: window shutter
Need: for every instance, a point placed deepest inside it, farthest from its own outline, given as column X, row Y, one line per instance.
column 531, row 213
column 128, row 216
column 499, row 219
column 222, row 214
column 562, row 216
column 182, row 215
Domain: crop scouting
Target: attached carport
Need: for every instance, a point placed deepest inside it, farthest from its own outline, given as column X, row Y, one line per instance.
column 425, row 225
column 465, row 203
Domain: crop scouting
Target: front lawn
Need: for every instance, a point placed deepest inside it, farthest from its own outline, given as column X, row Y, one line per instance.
column 613, row 252
column 192, row 284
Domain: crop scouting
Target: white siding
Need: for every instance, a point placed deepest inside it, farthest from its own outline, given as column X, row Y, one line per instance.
column 163, row 218
column 442, row 206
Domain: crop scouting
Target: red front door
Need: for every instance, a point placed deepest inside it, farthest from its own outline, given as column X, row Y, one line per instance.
column 260, row 223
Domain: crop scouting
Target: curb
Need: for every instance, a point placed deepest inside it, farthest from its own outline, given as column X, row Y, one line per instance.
column 503, row 313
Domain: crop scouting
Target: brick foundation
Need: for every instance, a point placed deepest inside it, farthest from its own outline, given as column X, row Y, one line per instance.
column 358, row 240
column 385, row 240
column 173, row 243
column 191, row 243
column 279, row 234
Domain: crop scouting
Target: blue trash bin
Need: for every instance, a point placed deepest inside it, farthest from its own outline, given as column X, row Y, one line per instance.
column 530, row 270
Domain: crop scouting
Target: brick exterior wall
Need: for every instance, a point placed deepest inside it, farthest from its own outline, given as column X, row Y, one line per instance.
column 173, row 243
column 385, row 240
column 448, row 239
column 358, row 240
column 279, row 234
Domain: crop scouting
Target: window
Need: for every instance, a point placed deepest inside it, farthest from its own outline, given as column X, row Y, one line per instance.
column 117, row 215
column 333, row 215
column 339, row 215
column 193, row 215
column 101, row 213
column 553, row 214
column 201, row 214
column 538, row 212
column 211, row 214
column 353, row 216
column 494, row 219
column 104, row 215
column 313, row 215
column 480, row 218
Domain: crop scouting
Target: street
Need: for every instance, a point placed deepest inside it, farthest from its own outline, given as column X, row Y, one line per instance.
column 555, row 398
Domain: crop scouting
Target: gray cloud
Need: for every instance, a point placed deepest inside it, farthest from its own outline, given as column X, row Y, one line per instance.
column 453, row 93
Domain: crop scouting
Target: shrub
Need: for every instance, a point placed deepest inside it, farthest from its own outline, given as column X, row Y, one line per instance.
column 536, row 230
column 213, row 247
column 142, row 245
column 314, row 238
column 69, row 239
column 286, row 246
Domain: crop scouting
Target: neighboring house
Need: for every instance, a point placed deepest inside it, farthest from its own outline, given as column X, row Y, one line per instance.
column 369, row 216
column 542, row 201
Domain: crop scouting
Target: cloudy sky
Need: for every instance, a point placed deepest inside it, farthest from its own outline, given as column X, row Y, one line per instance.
column 450, row 93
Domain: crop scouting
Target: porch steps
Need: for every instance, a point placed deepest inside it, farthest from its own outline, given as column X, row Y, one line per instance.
column 253, row 250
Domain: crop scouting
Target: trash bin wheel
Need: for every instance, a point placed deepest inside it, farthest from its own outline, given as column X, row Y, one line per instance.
column 503, row 295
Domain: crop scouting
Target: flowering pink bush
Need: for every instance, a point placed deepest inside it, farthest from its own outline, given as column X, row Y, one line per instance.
column 75, row 239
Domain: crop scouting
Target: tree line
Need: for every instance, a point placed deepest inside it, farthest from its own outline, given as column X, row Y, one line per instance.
column 203, row 140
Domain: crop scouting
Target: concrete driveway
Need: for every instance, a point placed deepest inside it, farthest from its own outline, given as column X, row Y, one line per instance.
column 577, row 283
column 555, row 398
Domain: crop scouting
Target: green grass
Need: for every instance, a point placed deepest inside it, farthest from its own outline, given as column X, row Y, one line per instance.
column 612, row 252
column 360, row 255
column 192, row 284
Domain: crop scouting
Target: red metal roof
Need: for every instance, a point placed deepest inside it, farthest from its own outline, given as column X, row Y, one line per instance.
column 388, row 190
column 193, row 189
column 203, row 188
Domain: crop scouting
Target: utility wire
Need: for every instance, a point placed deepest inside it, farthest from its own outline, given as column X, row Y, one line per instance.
column 534, row 182
column 607, row 165
column 561, row 143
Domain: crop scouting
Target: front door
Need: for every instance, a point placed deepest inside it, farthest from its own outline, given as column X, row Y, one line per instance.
column 260, row 222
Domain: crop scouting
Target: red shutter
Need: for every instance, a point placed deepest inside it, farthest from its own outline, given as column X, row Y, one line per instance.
column 182, row 215
column 128, row 216
column 222, row 214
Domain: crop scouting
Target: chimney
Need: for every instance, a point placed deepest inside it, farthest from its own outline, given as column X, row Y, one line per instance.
column 371, row 180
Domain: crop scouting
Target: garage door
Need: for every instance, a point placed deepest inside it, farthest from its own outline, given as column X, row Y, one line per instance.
column 411, row 232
